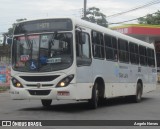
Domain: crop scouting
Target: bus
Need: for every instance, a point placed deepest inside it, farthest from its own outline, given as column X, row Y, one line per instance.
column 72, row 59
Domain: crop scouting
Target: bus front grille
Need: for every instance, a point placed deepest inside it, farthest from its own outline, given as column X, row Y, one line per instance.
column 39, row 78
column 43, row 85
column 39, row 92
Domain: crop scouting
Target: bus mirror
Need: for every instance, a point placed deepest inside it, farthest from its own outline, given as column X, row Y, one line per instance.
column 82, row 38
column 9, row 41
column 80, row 35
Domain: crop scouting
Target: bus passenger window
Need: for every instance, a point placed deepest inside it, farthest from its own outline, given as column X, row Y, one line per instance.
column 143, row 55
column 97, row 45
column 134, row 56
column 151, row 57
column 123, row 51
column 111, row 47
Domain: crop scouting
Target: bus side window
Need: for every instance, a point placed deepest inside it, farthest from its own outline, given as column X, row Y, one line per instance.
column 123, row 51
column 83, row 48
column 111, row 47
column 143, row 55
column 134, row 56
column 151, row 57
column 97, row 45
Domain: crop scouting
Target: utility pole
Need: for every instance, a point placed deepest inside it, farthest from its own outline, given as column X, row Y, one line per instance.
column 85, row 6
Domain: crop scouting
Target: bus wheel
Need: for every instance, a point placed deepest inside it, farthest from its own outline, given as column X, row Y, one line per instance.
column 46, row 102
column 138, row 97
column 93, row 102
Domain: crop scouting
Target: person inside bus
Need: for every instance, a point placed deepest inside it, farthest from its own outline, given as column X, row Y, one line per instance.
column 43, row 58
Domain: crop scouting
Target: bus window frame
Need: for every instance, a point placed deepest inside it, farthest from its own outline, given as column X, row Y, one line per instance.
column 102, row 46
column 112, row 47
column 152, row 57
column 135, row 54
column 126, row 51
column 144, row 56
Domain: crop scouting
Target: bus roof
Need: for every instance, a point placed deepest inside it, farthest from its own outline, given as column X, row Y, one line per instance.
column 113, row 33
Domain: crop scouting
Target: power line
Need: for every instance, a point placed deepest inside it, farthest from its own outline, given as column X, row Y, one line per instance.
column 123, row 21
column 136, row 8
column 130, row 20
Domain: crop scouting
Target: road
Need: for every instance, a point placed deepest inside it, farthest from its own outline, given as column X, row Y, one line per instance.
column 113, row 109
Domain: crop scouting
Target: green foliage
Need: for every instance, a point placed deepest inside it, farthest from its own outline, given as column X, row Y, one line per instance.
column 94, row 15
column 153, row 19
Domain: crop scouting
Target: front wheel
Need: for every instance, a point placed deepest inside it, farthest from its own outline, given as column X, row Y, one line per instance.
column 46, row 102
column 93, row 102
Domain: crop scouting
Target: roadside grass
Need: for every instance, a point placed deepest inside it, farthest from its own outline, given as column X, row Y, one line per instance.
column 4, row 88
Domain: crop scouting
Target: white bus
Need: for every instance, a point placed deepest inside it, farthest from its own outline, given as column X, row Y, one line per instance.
column 71, row 59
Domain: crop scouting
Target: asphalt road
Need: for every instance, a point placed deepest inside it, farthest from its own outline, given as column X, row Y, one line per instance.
column 113, row 109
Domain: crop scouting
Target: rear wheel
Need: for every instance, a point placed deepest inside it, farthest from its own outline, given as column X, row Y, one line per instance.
column 93, row 102
column 138, row 97
column 46, row 102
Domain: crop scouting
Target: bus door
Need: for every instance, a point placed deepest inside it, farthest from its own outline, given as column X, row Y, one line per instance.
column 83, row 59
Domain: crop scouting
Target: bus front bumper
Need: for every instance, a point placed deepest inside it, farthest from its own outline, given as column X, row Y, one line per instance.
column 63, row 93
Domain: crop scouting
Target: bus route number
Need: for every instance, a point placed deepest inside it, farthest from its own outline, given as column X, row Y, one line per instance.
column 43, row 25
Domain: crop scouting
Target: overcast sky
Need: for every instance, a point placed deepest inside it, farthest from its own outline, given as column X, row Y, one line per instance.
column 10, row 10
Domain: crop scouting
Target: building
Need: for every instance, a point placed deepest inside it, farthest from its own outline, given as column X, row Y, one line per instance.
column 147, row 33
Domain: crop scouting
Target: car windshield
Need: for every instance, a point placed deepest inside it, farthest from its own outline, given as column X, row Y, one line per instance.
column 42, row 53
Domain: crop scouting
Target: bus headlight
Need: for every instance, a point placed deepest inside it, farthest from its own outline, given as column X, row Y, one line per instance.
column 16, row 83
column 65, row 81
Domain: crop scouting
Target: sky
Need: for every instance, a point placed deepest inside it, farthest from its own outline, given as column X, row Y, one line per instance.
column 10, row 10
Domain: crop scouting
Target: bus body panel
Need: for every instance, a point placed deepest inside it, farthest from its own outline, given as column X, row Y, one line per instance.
column 67, row 93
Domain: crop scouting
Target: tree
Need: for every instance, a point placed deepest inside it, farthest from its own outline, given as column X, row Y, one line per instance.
column 10, row 30
column 94, row 15
column 153, row 19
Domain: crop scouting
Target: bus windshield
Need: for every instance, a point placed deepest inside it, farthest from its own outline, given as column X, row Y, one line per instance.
column 43, row 52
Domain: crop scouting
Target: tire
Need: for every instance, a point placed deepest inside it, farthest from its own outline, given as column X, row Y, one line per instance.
column 46, row 102
column 93, row 102
column 138, row 97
